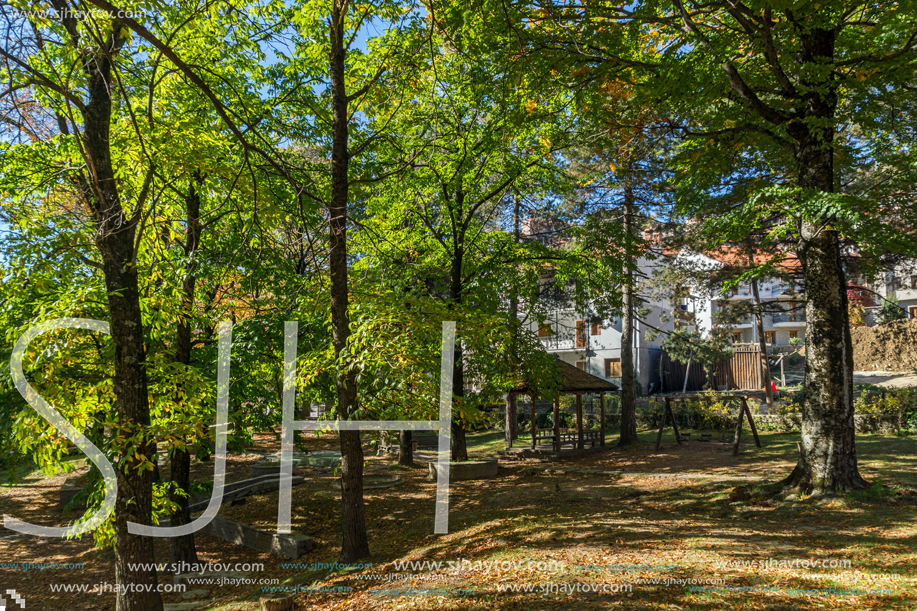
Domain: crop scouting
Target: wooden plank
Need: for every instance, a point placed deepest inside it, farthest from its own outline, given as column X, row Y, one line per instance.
column 557, row 424
column 738, row 436
column 665, row 412
column 751, row 423
column 579, row 420
column 534, row 422
column 602, row 419
column 668, row 408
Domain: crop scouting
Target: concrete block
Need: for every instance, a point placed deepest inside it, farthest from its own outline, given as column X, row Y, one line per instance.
column 476, row 469
column 289, row 546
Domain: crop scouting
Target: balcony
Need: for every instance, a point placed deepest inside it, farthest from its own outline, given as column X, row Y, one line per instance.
column 737, row 293
column 745, row 322
column 785, row 291
column 789, row 320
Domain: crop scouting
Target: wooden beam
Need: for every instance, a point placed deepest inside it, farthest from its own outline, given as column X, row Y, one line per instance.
column 602, row 421
column 738, row 435
column 534, row 422
column 665, row 412
column 668, row 408
column 579, row 421
column 557, row 424
column 751, row 422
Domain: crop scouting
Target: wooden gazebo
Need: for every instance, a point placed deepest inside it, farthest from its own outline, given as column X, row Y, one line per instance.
column 572, row 381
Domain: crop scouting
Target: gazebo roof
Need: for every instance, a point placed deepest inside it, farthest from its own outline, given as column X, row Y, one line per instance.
column 573, row 379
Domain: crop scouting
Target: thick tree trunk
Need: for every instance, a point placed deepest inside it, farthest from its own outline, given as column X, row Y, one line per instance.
column 354, row 543
column 406, row 448
column 459, row 447
column 628, row 433
column 828, row 461
column 514, row 320
column 182, row 549
column 116, row 234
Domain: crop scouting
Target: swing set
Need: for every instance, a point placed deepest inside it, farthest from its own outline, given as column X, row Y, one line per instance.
column 743, row 412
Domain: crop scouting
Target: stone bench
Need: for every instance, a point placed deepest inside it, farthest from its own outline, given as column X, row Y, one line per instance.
column 290, row 546
column 472, row 469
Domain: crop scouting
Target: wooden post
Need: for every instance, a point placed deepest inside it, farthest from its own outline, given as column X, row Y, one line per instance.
column 665, row 412
column 510, row 418
column 557, row 424
column 602, row 420
column 738, row 435
column 579, row 421
column 534, row 422
column 668, row 407
column 751, row 422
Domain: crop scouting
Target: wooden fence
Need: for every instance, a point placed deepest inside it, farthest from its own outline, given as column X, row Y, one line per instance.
column 741, row 372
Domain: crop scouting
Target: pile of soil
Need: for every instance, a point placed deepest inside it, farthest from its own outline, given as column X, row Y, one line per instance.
column 888, row 347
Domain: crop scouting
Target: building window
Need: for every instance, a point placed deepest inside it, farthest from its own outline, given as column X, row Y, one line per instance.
column 734, row 290
column 896, row 283
column 596, row 328
column 914, row 282
column 544, row 330
column 794, row 334
column 913, row 311
column 737, row 337
column 770, row 337
column 612, row 368
column 580, row 334
column 581, row 365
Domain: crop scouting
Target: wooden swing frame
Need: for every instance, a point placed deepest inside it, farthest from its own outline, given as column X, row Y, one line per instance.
column 744, row 412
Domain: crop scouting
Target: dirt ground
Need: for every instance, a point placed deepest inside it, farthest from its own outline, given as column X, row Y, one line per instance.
column 884, row 379
column 672, row 507
column 889, row 347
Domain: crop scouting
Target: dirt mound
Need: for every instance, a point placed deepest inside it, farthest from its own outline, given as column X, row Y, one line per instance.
column 889, row 347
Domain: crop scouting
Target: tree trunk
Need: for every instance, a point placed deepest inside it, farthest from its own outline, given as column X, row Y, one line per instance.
column 459, row 447
column 628, row 434
column 762, row 341
column 182, row 549
column 828, row 460
column 354, row 543
column 514, row 319
column 116, row 236
column 406, row 449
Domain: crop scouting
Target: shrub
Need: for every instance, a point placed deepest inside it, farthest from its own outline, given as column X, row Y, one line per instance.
column 893, row 401
column 698, row 413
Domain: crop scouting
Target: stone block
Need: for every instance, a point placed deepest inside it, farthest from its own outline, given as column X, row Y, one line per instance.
column 289, row 546
column 475, row 469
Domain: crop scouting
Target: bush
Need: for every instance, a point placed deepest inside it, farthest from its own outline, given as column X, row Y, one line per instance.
column 892, row 401
column 696, row 414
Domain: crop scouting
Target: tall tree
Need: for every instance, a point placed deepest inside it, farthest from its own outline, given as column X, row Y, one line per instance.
column 36, row 55
column 803, row 94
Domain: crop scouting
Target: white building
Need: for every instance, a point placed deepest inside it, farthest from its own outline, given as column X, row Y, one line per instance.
column 595, row 346
column 783, row 303
column 900, row 282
